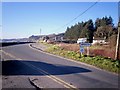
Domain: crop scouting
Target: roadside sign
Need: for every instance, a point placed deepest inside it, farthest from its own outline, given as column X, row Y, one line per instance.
column 85, row 44
column 82, row 49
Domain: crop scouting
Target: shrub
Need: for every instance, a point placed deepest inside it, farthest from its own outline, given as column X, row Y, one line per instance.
column 112, row 41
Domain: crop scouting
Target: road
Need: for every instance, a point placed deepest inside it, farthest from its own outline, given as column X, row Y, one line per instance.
column 22, row 64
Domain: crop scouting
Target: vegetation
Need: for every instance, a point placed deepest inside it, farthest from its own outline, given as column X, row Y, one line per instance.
column 100, row 62
column 102, row 28
column 83, row 29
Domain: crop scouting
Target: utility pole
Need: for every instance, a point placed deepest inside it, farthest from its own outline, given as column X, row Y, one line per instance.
column 40, row 38
column 118, row 36
column 40, row 31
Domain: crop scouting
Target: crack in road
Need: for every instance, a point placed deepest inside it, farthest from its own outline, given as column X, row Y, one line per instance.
column 57, row 80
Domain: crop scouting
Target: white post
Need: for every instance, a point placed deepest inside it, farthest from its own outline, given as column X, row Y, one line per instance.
column 88, row 51
column 118, row 36
column 117, row 44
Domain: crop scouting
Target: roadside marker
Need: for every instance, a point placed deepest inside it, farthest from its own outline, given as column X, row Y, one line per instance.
column 85, row 44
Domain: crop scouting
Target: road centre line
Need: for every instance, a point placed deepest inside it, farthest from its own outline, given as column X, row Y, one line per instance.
column 60, row 81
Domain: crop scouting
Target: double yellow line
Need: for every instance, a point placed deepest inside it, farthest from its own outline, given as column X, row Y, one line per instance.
column 60, row 81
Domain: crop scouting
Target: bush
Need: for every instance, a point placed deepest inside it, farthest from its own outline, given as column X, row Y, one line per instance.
column 112, row 41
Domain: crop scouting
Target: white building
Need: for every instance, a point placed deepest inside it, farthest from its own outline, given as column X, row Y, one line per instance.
column 101, row 41
column 81, row 40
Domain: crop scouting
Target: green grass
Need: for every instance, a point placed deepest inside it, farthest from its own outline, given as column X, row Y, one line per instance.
column 100, row 62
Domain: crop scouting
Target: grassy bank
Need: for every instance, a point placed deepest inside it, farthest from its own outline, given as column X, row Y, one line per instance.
column 100, row 62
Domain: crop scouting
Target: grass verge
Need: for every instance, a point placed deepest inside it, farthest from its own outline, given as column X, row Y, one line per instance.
column 100, row 62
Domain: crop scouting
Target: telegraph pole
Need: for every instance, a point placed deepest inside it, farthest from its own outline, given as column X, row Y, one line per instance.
column 118, row 36
column 40, row 31
column 40, row 35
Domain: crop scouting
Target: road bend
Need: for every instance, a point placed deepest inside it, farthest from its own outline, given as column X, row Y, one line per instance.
column 22, row 64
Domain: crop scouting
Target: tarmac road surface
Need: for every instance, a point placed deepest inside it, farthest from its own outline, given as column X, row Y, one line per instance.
column 22, row 64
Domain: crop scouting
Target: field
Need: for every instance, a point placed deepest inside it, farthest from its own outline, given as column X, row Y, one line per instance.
column 71, row 51
column 95, row 50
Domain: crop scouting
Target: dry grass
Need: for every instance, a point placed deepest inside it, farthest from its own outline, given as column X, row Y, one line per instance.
column 103, row 63
column 95, row 50
column 70, row 47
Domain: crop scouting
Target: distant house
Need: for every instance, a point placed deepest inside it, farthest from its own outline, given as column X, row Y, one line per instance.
column 81, row 40
column 95, row 40
column 59, row 37
column 56, row 38
column 48, row 38
column 51, row 37
column 45, row 38
column 101, row 41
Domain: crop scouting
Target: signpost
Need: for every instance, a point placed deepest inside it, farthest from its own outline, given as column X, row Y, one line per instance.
column 82, row 49
column 82, row 45
column 85, row 44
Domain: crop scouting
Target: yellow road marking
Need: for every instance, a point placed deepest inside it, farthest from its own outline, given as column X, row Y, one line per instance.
column 53, row 77
column 10, row 55
column 50, row 76
column 60, row 81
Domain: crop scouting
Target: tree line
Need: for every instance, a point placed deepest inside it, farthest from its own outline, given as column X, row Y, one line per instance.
column 102, row 28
